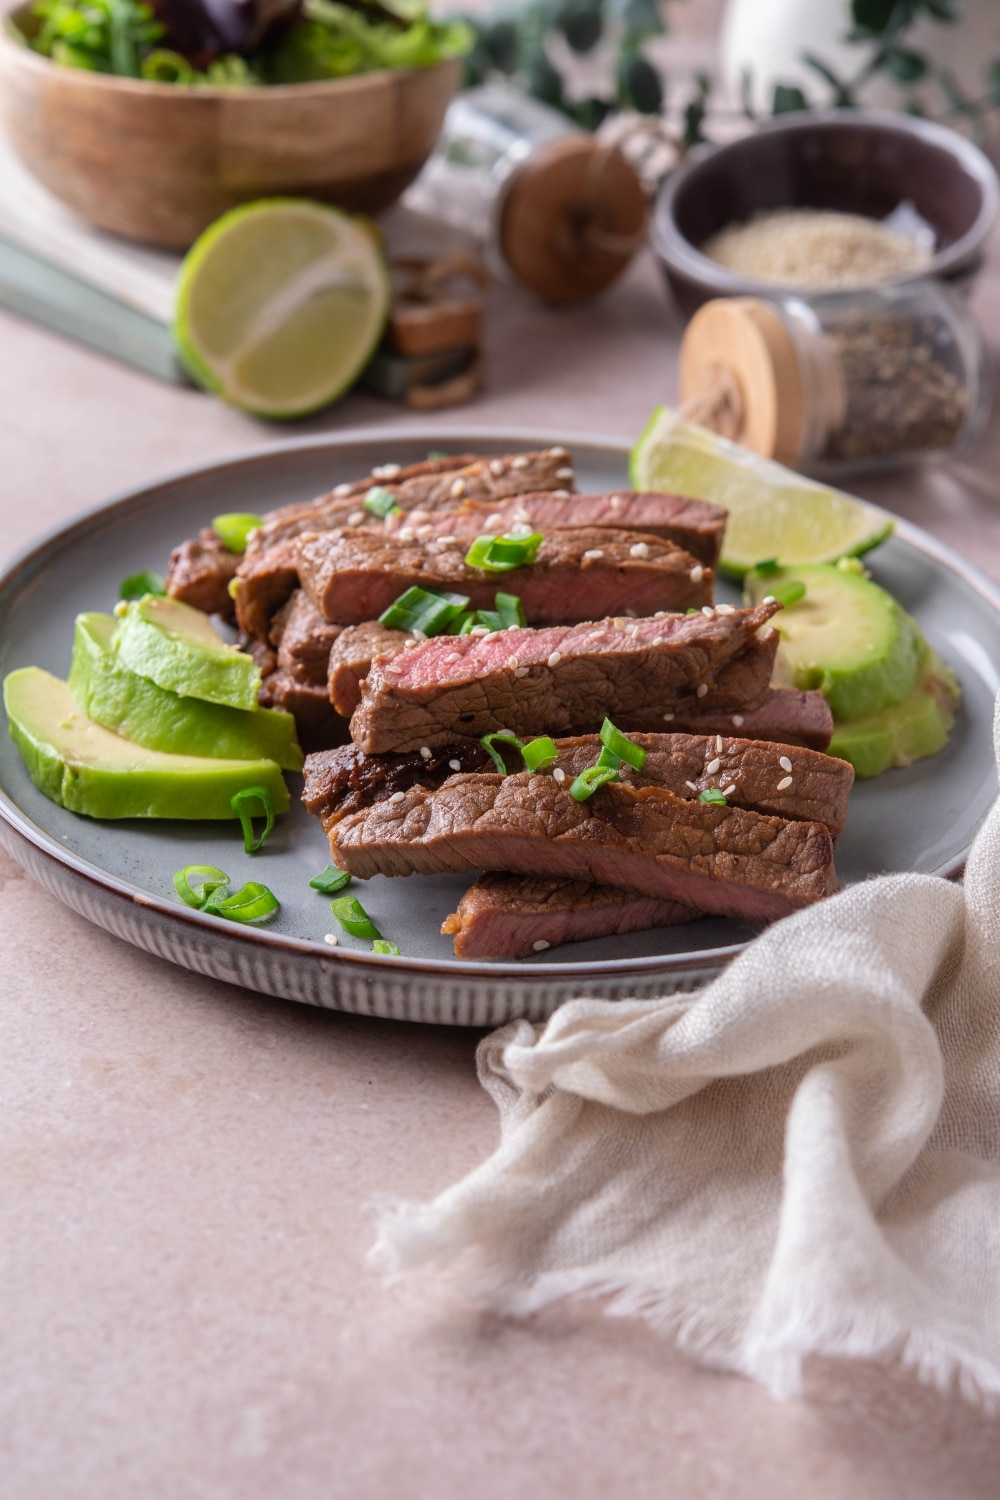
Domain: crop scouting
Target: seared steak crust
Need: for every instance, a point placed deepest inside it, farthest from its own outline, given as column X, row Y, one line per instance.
column 200, row 572
column 305, row 641
column 750, row 772
column 352, row 576
column 350, row 659
column 515, row 916
column 786, row 717
column 564, row 680
column 726, row 861
column 694, row 525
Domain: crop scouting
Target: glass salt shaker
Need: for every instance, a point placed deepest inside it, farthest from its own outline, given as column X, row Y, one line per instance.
column 840, row 382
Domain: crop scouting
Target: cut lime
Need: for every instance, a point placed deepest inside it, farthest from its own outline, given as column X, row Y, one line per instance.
column 280, row 306
column 773, row 512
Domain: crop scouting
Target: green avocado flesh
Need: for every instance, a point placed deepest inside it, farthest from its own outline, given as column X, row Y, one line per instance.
column 89, row 770
column 175, row 647
column 846, row 636
column 114, row 696
column 903, row 732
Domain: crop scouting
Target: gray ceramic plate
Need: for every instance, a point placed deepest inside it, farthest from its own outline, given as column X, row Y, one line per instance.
column 119, row 874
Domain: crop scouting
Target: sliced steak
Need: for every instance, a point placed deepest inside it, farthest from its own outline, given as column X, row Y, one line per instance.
column 566, row 679
column 786, row 717
column 267, row 574
column 694, row 525
column 751, row 773
column 350, row 659
column 578, row 574
column 515, row 916
column 316, row 720
column 726, row 861
column 305, row 641
column 200, row 572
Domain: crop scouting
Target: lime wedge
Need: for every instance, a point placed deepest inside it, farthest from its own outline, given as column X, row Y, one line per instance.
column 280, row 305
column 773, row 512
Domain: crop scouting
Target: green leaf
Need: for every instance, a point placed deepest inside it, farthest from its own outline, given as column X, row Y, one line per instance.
column 904, row 65
column 874, row 16
column 502, row 45
column 787, row 99
column 993, row 80
column 639, row 85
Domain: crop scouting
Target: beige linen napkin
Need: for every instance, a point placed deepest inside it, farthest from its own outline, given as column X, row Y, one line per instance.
column 803, row 1158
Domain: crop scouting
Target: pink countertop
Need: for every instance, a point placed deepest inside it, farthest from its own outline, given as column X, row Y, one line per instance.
column 189, row 1172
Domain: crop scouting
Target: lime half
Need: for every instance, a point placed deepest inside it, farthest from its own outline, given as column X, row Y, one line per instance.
column 280, row 306
column 773, row 512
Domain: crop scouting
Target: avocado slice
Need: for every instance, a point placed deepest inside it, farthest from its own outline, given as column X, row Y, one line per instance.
column 87, row 769
column 114, row 696
column 906, row 731
column 845, row 636
column 176, row 647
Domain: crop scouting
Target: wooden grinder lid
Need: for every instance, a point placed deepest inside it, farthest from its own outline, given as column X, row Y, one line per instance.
column 739, row 347
column 572, row 217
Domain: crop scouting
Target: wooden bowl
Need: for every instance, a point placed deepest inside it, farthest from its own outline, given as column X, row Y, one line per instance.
column 157, row 162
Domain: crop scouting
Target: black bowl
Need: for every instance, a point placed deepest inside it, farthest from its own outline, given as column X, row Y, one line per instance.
column 855, row 161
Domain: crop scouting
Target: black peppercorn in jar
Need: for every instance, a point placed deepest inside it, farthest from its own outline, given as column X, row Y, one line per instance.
column 847, row 381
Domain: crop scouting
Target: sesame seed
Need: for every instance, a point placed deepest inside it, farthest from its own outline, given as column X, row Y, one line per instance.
column 342, row 489
column 406, row 534
column 409, row 645
column 513, row 662
column 540, row 945
column 420, row 635
column 640, row 549
column 728, row 791
column 564, row 473
column 738, row 721
column 458, row 489
column 519, row 463
column 455, row 765
column 769, row 599
column 718, row 743
column 554, row 657
column 397, row 796
column 784, row 784
column 657, row 640
column 707, row 609
column 479, row 630
column 593, row 553
column 561, row 494
column 423, row 532
column 331, row 938
column 691, row 785
column 595, row 635
column 725, row 609
column 616, row 502
column 521, row 672
column 618, row 622
column 667, row 718
column 494, row 521
column 454, row 656
column 392, row 667
column 387, row 471
column 785, row 763
column 425, row 751
column 701, row 691
column 712, row 767
column 633, row 630
column 697, row 573
column 496, row 468
column 355, row 518
column 559, row 774
column 522, row 528
column 558, row 453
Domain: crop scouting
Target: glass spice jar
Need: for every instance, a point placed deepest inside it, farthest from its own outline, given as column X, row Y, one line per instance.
column 842, row 382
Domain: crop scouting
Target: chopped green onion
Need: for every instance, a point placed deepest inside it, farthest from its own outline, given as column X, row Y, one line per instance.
column 620, row 744
column 490, row 618
column 234, row 529
column 353, row 918
column 249, row 904
column 233, row 587
column 463, row 624
column 488, row 741
column 500, row 554
column 138, row 585
column 420, row 609
column 510, row 610
column 590, row 781
column 253, row 800
column 540, row 754
column 381, row 502
column 765, row 568
column 330, row 881
column 788, row 591
column 383, row 945
column 435, row 454
column 207, row 878
column 692, row 611
column 713, row 795
column 609, row 758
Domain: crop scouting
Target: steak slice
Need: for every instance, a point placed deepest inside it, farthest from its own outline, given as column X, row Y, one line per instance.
column 725, row 861
column 566, row 679
column 785, row 717
column 305, row 641
column 316, row 720
column 200, row 572
column 515, row 916
column 578, row 574
column 267, row 574
column 351, row 657
column 749, row 772
column 694, row 525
